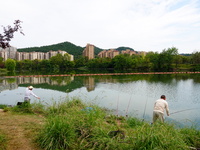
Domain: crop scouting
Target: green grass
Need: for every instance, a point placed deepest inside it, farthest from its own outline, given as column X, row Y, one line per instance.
column 72, row 124
column 3, row 141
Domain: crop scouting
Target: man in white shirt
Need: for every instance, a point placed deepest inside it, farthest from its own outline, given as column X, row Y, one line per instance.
column 28, row 94
column 160, row 106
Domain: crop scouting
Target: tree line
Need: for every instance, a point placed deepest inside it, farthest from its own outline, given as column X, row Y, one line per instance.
column 167, row 60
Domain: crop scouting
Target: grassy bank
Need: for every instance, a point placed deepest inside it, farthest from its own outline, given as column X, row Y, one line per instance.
column 71, row 124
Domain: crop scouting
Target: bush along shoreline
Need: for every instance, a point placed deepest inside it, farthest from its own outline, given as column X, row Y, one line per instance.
column 72, row 124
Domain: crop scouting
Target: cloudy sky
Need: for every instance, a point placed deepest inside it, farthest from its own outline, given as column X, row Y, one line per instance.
column 144, row 25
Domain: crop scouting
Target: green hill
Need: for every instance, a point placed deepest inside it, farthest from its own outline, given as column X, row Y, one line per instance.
column 124, row 48
column 66, row 46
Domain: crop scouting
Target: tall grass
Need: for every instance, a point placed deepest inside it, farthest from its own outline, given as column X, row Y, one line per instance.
column 158, row 136
column 191, row 136
column 72, row 124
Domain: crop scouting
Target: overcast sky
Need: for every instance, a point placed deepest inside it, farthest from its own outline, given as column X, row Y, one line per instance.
column 144, row 25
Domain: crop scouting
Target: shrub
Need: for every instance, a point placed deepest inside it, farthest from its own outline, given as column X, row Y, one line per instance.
column 2, row 106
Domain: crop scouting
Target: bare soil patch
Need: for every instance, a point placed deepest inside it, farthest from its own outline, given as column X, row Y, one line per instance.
column 20, row 130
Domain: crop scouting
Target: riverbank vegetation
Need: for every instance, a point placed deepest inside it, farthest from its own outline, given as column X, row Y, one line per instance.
column 72, row 124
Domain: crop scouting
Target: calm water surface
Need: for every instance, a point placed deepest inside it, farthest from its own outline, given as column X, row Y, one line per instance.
column 132, row 95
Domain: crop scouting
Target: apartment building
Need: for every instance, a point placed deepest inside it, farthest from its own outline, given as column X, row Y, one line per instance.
column 11, row 52
column 112, row 53
column 108, row 53
column 128, row 51
column 89, row 51
column 3, row 54
column 142, row 53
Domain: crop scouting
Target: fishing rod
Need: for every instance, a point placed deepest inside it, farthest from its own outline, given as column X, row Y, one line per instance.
column 117, row 105
column 144, row 110
column 128, row 106
column 117, row 111
column 183, row 110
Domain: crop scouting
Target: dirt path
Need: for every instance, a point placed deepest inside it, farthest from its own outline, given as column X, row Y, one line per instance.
column 20, row 130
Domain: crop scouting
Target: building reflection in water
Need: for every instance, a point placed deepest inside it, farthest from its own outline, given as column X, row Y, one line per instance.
column 90, row 83
column 87, row 81
column 12, row 83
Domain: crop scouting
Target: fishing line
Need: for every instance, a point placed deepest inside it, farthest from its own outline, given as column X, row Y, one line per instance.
column 117, row 105
column 183, row 110
column 117, row 111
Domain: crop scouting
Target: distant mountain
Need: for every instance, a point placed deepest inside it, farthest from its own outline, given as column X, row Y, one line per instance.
column 66, row 46
column 185, row 54
column 124, row 48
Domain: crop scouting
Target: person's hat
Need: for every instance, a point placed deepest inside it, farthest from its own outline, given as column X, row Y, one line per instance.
column 30, row 87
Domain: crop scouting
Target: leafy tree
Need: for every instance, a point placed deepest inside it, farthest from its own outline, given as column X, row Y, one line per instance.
column 26, row 64
column 8, row 33
column 93, row 63
column 68, row 64
column 66, row 57
column 60, row 63
column 35, row 64
column 172, row 56
column 10, row 64
column 153, row 57
column 164, row 60
column 195, row 58
column 1, row 62
column 105, row 62
column 137, row 61
column 57, row 60
column 97, row 63
column 122, row 62
column 186, row 59
column 1, row 59
column 196, row 61
column 81, row 62
column 143, row 63
column 45, row 65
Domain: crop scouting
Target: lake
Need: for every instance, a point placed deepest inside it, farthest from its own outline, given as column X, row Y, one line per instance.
column 132, row 95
